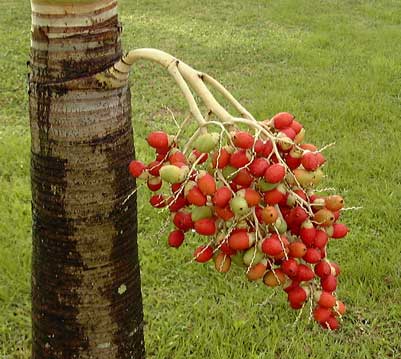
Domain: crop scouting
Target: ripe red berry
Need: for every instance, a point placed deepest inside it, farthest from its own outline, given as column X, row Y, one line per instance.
column 310, row 161
column 272, row 246
column 274, row 196
column 154, row 168
column 201, row 157
column 207, row 184
column 322, row 269
column 321, row 314
column 304, row 274
column 297, row 295
column 329, row 283
column 241, row 240
column 282, row 120
column 176, row 203
column 331, row 323
column 176, row 238
column 154, row 183
column 243, row 178
column 259, row 147
column 258, row 167
column 221, row 158
column 312, row 255
column 196, row 197
column 326, row 300
column 158, row 139
column 177, row 157
column 205, row 226
column 222, row 197
column 321, row 239
column 268, row 148
column 296, row 126
column 292, row 162
column 183, row 221
column 136, row 168
column 158, row 201
column 243, row 139
column 290, row 267
column 308, row 233
column 203, row 253
column 252, row 197
column 225, row 248
column 339, row 230
column 274, row 173
column 224, row 213
column 239, row 159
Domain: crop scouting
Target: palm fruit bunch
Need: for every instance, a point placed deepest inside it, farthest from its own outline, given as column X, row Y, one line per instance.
column 250, row 196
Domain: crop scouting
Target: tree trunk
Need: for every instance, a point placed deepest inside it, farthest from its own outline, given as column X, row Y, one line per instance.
column 86, row 294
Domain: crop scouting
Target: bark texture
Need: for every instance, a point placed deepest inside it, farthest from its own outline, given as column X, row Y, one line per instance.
column 86, row 294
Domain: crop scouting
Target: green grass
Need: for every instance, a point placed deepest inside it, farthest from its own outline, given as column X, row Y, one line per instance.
column 337, row 66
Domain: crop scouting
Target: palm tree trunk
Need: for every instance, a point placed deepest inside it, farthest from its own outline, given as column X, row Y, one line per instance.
column 86, row 293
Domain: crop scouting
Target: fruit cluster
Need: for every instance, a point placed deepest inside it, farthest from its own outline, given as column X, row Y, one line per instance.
column 251, row 198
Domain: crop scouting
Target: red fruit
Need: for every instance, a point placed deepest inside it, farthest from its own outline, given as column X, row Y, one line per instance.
column 205, row 226
column 272, row 246
column 329, row 283
column 239, row 159
column 297, row 249
column 224, row 213
column 158, row 140
column 290, row 267
column 207, row 184
column 274, row 173
column 154, row 183
column 243, row 178
column 339, row 230
column 196, row 197
column 289, row 132
column 308, row 233
column 320, row 158
column 258, row 167
column 176, row 238
column 268, row 148
column 282, row 120
column 240, row 240
column 321, row 314
column 259, row 147
column 221, row 158
column 243, row 140
column 336, row 215
column 310, row 161
column 222, row 197
column 297, row 216
column 304, row 274
column 175, row 187
column 326, row 300
column 312, row 255
column 322, row 269
column 158, row 201
column 274, row 196
column 136, row 168
column 256, row 271
column 177, row 157
column 297, row 295
column 331, row 323
column 292, row 162
column 321, row 239
column 252, row 197
column 226, row 249
column 296, row 126
column 201, row 156
column 183, row 221
column 290, row 286
column 176, row 203
column 154, row 168
column 203, row 253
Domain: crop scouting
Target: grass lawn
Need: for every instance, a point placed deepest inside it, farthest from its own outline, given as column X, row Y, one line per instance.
column 337, row 66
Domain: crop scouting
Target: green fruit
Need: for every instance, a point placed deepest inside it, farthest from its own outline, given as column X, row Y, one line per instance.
column 252, row 256
column 237, row 259
column 173, row 174
column 207, row 142
column 239, row 206
column 265, row 186
column 228, row 172
column 198, row 213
